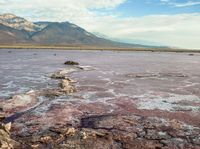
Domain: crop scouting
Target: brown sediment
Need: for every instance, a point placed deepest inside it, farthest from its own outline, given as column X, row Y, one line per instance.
column 117, row 131
column 92, row 126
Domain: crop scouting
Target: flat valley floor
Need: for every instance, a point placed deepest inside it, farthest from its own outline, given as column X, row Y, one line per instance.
column 119, row 99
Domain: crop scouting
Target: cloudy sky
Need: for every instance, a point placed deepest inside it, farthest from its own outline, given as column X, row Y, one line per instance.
column 160, row 22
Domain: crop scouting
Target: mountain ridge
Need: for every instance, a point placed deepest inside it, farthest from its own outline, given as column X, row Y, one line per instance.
column 17, row 30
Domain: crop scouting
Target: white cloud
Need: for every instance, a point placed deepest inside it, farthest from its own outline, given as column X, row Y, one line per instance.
column 181, row 4
column 56, row 9
column 176, row 30
column 181, row 30
column 189, row 3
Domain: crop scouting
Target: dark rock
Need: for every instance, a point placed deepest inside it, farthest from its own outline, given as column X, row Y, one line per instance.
column 51, row 93
column 191, row 54
column 58, row 76
column 62, row 74
column 2, row 117
column 71, row 63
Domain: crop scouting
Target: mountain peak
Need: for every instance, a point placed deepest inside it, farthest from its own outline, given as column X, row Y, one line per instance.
column 7, row 15
column 19, row 23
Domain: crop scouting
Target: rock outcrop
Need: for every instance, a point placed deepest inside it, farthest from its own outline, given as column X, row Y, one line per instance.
column 5, row 140
column 118, row 131
column 62, row 74
column 66, row 86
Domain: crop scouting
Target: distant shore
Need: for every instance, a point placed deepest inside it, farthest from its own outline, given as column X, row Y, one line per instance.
column 71, row 47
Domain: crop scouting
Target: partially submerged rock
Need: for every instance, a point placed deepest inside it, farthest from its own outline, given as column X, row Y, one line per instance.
column 191, row 54
column 62, row 74
column 140, row 75
column 152, row 75
column 51, row 93
column 71, row 63
column 58, row 76
column 172, row 75
column 67, row 71
column 86, row 68
column 66, row 86
column 19, row 102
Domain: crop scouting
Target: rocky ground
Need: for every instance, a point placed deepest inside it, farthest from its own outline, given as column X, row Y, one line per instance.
column 86, row 111
column 92, row 125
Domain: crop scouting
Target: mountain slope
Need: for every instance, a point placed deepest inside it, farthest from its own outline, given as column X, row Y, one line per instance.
column 14, row 29
column 18, row 23
column 67, row 33
column 12, row 36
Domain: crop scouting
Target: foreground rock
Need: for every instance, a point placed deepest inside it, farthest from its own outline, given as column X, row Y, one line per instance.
column 117, row 131
column 5, row 140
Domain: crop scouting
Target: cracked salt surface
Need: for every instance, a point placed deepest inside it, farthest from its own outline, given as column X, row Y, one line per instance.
column 169, row 103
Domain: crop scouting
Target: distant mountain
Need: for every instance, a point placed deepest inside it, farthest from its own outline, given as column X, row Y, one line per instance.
column 17, row 30
column 129, row 41
column 64, row 33
column 10, row 35
column 18, row 23
column 43, row 24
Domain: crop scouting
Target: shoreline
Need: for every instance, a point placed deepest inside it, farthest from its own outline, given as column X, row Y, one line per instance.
column 136, row 49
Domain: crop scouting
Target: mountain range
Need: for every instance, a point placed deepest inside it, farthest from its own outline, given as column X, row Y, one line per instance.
column 17, row 30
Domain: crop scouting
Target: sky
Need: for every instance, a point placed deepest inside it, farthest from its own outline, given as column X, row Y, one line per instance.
column 174, row 23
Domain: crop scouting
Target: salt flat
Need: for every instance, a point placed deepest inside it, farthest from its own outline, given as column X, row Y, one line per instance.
column 149, row 96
